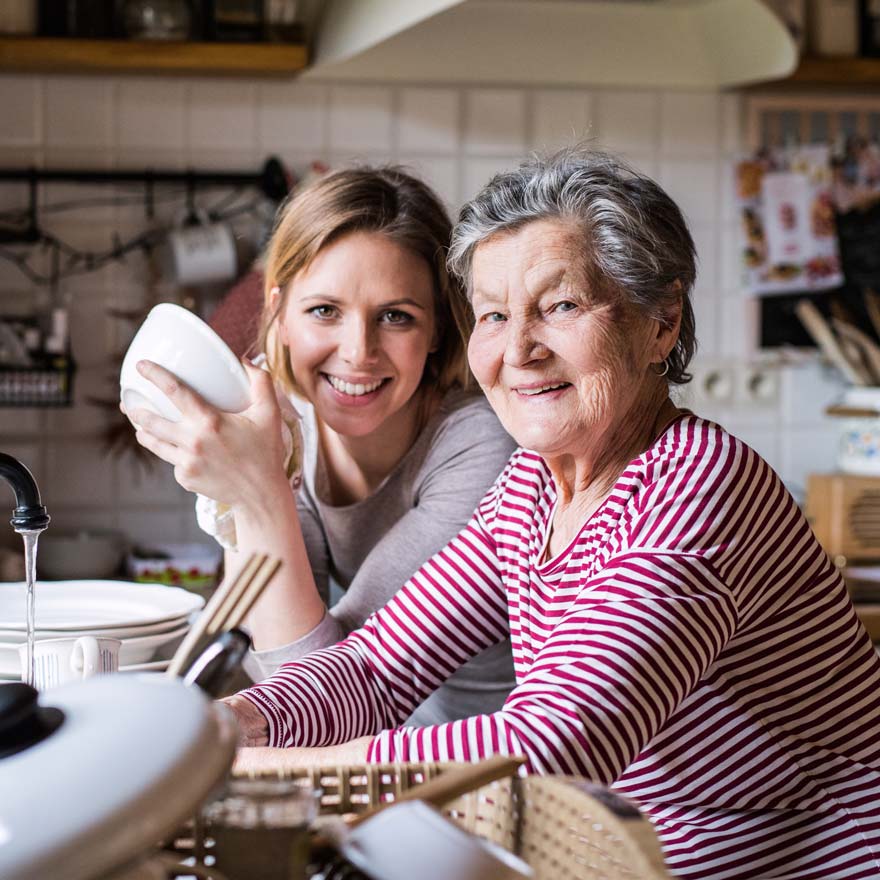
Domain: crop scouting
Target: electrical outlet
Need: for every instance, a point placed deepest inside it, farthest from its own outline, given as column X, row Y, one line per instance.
column 758, row 385
column 716, row 383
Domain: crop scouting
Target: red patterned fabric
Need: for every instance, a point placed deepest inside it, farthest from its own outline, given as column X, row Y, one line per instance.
column 237, row 319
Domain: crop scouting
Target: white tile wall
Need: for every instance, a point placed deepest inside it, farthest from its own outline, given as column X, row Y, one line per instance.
column 457, row 137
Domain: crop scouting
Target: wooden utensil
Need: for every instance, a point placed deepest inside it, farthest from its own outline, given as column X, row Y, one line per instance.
column 227, row 608
column 863, row 346
column 872, row 307
column 824, row 337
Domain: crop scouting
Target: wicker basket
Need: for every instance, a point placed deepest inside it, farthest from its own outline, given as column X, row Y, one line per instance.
column 564, row 828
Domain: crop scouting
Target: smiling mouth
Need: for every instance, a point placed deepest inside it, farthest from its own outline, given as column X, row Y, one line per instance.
column 543, row 389
column 354, row 389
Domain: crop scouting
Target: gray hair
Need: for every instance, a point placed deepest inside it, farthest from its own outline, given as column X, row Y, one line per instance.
column 636, row 241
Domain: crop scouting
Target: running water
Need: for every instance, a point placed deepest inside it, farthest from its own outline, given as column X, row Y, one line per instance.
column 30, row 574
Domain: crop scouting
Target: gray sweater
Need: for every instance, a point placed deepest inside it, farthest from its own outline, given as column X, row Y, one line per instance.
column 370, row 548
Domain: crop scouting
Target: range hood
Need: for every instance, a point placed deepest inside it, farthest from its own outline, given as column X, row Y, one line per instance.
column 660, row 43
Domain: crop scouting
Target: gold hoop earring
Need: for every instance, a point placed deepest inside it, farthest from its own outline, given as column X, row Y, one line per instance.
column 665, row 369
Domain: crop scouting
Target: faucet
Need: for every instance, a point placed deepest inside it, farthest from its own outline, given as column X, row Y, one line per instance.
column 28, row 515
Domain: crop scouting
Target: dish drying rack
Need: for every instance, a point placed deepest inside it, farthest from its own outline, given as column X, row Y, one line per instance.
column 564, row 828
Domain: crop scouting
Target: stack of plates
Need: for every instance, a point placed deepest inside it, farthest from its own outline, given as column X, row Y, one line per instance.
column 149, row 619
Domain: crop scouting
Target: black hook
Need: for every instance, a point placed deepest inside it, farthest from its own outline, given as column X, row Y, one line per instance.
column 32, row 233
column 149, row 195
column 192, row 217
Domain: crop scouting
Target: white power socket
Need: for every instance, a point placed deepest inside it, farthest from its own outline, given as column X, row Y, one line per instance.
column 758, row 385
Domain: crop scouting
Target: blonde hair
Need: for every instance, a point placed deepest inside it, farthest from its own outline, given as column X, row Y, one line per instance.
column 388, row 201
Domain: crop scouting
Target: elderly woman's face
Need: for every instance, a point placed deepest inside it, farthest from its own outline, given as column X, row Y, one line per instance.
column 561, row 365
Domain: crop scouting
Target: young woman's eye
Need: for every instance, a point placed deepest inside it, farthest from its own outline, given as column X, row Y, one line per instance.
column 323, row 312
column 395, row 316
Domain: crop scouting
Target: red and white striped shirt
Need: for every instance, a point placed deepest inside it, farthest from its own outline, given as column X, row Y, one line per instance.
column 693, row 647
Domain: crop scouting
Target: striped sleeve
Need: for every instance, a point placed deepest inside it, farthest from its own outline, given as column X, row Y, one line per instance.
column 631, row 647
column 453, row 608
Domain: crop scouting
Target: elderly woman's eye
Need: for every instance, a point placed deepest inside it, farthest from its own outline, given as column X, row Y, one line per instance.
column 565, row 306
column 492, row 317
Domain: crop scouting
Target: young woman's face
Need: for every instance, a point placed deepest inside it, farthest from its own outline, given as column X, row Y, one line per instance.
column 359, row 326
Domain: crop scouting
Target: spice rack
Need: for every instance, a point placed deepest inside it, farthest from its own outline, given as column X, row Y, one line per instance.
column 46, row 385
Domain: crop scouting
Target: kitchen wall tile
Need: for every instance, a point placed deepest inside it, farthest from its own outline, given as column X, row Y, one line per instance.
column 360, row 119
column 477, row 173
column 142, row 485
column 21, row 98
column 805, row 452
column 626, row 121
column 91, row 332
column 729, row 210
column 428, row 120
column 730, row 265
column 79, row 112
column 22, row 422
column 30, row 454
column 144, row 526
column 689, row 123
column 561, row 118
column 706, row 318
column 693, row 186
column 731, row 111
column 221, row 116
column 85, row 417
column 292, row 117
column 151, row 113
column 737, row 324
column 440, row 173
column 805, row 391
column 79, row 472
column 495, row 122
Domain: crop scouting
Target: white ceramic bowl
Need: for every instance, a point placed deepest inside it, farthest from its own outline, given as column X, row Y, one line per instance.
column 176, row 339
column 84, row 554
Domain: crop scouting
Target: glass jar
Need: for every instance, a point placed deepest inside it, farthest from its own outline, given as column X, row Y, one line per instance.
column 157, row 19
column 258, row 829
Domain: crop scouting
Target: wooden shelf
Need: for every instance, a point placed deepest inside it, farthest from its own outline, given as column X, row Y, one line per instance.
column 47, row 55
column 853, row 73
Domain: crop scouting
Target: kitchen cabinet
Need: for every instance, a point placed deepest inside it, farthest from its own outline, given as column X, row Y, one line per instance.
column 55, row 55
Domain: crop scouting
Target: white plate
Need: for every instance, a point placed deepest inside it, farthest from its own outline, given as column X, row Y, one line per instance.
column 110, row 632
column 132, row 651
column 90, row 605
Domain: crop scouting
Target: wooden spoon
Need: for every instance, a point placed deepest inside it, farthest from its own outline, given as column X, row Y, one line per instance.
column 824, row 337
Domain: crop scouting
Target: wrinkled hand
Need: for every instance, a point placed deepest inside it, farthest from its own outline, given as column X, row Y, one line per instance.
column 230, row 457
column 253, row 729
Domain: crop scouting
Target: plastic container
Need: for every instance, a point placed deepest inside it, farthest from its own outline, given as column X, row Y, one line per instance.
column 191, row 566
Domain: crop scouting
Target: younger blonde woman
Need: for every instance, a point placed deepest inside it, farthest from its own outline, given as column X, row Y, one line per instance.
column 366, row 332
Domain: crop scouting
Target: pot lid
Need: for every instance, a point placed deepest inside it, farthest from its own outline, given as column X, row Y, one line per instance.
column 132, row 759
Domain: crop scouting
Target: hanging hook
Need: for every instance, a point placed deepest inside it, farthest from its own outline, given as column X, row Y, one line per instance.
column 149, row 195
column 32, row 233
column 192, row 216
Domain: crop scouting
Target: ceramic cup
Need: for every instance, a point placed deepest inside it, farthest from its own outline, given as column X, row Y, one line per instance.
column 202, row 253
column 58, row 661
column 181, row 342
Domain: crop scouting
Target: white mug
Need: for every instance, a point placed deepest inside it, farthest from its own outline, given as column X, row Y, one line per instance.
column 58, row 661
column 202, row 253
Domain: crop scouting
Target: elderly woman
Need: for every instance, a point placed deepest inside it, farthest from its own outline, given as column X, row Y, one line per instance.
column 677, row 631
